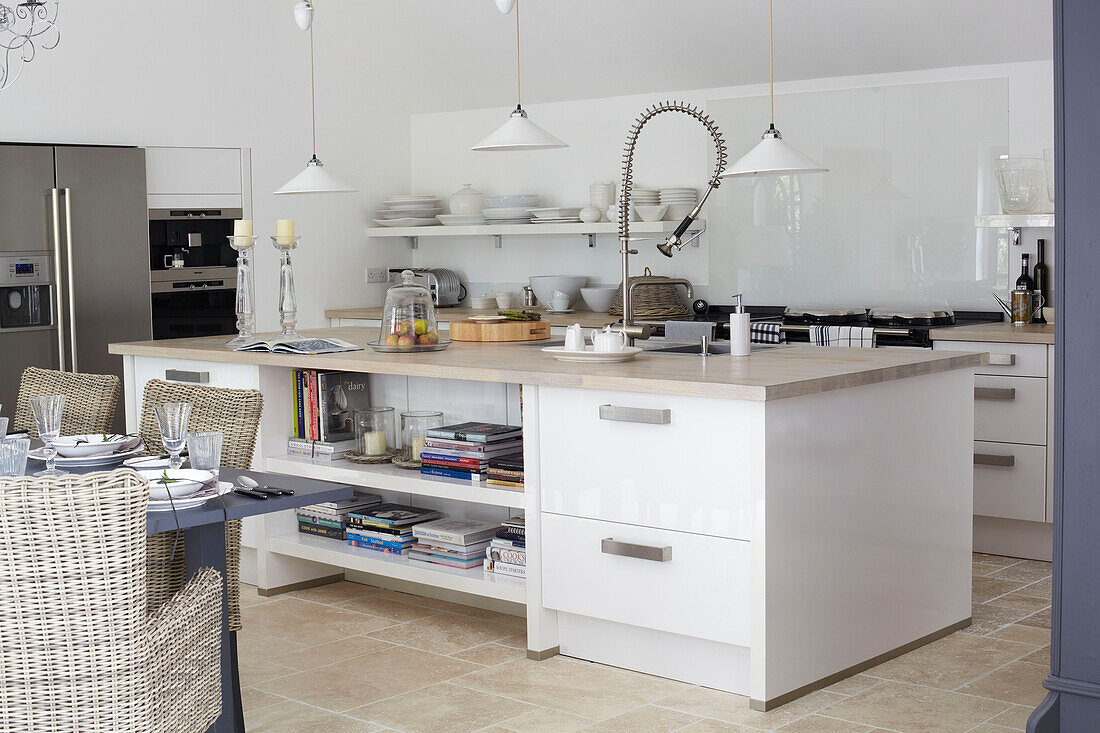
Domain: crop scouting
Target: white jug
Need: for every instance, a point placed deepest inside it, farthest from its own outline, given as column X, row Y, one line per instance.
column 608, row 341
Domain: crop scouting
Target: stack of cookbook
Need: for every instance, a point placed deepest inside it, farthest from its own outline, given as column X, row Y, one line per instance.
column 464, row 451
column 456, row 543
column 386, row 528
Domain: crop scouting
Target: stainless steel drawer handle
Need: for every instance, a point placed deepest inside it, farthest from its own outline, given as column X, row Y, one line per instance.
column 609, row 546
column 987, row 459
column 635, row 414
column 1002, row 359
column 994, row 393
column 177, row 375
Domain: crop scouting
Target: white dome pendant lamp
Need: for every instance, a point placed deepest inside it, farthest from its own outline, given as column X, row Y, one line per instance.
column 314, row 179
column 518, row 132
column 772, row 156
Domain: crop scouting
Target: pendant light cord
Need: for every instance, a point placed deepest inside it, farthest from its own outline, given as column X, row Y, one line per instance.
column 312, row 86
column 518, row 85
column 771, row 58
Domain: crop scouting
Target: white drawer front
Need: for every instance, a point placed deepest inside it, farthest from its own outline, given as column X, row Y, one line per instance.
column 693, row 473
column 1010, row 409
column 207, row 373
column 702, row 590
column 1018, row 360
column 1010, row 481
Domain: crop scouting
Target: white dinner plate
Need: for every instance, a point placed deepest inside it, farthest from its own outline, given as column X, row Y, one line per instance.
column 183, row 482
column 406, row 222
column 562, row 354
column 465, row 220
column 90, row 444
column 417, row 213
column 559, row 212
column 101, row 460
column 224, row 487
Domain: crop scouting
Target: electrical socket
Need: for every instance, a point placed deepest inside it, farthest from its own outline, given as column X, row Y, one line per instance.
column 377, row 275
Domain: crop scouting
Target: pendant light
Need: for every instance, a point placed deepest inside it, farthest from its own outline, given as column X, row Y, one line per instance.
column 772, row 156
column 518, row 132
column 314, row 179
column 884, row 190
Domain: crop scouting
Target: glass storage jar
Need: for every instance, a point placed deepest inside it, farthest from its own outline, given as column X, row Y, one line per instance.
column 408, row 319
column 375, row 432
column 414, row 429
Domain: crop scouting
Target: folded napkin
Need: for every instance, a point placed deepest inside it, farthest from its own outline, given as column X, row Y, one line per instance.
column 766, row 333
column 858, row 336
column 688, row 330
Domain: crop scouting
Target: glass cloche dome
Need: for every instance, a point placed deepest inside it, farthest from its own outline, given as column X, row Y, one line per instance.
column 408, row 319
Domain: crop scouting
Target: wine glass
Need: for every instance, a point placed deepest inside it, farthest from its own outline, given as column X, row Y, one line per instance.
column 172, row 419
column 47, row 411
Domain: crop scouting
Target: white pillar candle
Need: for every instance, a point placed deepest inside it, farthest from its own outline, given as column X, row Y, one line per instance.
column 242, row 228
column 374, row 443
column 284, row 230
column 417, row 446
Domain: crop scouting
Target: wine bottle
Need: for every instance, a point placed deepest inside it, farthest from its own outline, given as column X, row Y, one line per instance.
column 1024, row 282
column 1040, row 276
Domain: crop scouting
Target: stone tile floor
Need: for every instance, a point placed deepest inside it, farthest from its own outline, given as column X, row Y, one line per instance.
column 349, row 658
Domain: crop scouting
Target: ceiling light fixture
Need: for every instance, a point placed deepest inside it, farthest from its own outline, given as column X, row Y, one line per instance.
column 23, row 30
column 772, row 156
column 314, row 179
column 518, row 132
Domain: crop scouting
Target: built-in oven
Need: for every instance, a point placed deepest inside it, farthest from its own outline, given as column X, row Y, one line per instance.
column 199, row 301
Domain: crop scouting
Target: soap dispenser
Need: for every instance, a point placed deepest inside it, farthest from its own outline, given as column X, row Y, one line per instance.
column 740, row 340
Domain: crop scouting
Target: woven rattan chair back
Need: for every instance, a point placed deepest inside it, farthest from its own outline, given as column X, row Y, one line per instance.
column 72, row 604
column 236, row 413
column 90, row 400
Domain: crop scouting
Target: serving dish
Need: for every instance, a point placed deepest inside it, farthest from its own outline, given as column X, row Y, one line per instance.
column 406, row 222
column 412, row 349
column 562, row 354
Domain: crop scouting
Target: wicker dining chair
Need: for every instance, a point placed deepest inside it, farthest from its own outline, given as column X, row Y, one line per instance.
column 80, row 650
column 90, row 400
column 236, row 413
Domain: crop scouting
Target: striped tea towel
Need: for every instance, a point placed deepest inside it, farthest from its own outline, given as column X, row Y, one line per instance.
column 861, row 336
column 766, row 333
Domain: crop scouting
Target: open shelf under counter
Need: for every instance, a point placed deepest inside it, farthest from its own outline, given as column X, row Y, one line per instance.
column 339, row 554
column 386, row 476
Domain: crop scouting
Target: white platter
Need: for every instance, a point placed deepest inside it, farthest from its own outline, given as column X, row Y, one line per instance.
column 559, row 312
column 406, row 222
column 417, row 213
column 559, row 212
column 608, row 357
column 461, row 220
column 109, row 459
column 224, row 487
column 487, row 319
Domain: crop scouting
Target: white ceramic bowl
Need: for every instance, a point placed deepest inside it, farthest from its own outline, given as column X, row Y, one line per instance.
column 651, row 213
column 506, row 301
column 508, row 200
column 544, row 285
column 677, row 212
column 76, row 446
column 598, row 297
column 183, row 482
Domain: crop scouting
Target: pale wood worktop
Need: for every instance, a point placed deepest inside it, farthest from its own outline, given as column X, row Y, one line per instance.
column 768, row 374
column 588, row 319
column 1004, row 332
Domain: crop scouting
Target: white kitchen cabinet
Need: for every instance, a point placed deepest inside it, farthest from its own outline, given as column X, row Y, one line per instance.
column 1009, row 480
column 1005, row 359
column 197, row 177
column 1010, row 409
column 648, row 577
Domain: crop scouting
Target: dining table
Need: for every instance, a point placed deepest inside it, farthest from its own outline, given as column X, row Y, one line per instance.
column 203, row 529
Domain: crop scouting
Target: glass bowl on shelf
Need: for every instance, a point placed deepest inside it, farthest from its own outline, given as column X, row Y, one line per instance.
column 415, row 425
column 375, row 435
column 408, row 320
column 1019, row 183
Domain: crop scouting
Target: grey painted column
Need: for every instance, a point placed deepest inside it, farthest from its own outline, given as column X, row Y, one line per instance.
column 1074, row 701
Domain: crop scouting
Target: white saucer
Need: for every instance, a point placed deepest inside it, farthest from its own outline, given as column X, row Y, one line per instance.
column 567, row 310
column 109, row 459
column 562, row 354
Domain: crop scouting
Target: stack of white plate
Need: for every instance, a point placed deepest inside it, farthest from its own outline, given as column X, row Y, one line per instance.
column 680, row 201
column 461, row 220
column 408, row 211
column 645, row 197
column 557, row 215
column 512, row 200
column 507, row 215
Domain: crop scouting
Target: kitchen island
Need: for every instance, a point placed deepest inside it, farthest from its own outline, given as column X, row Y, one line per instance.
column 764, row 525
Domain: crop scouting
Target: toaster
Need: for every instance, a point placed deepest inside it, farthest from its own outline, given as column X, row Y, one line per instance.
column 442, row 283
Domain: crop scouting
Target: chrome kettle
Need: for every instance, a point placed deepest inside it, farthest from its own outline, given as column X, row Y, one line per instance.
column 1022, row 306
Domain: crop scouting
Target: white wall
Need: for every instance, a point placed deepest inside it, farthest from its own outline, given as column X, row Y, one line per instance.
column 206, row 73
column 673, row 152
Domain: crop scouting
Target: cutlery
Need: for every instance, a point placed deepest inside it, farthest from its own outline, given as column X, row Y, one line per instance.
column 250, row 493
column 251, row 484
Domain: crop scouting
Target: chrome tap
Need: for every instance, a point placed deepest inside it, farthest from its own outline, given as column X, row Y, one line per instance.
column 673, row 242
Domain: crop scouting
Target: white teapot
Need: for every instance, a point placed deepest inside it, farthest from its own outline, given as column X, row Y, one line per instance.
column 608, row 340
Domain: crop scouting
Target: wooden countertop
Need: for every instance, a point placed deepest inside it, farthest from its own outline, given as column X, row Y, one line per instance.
column 588, row 319
column 1004, row 332
column 768, row 374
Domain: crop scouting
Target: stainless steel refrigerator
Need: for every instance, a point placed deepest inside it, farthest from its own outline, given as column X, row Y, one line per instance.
column 74, row 259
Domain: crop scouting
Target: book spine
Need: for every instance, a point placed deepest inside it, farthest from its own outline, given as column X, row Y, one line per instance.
column 297, row 380
column 454, row 435
column 319, row 519
column 320, row 531
column 511, row 557
column 429, row 534
column 322, row 407
column 381, row 536
column 502, row 568
column 314, row 422
column 460, row 460
column 373, row 542
column 448, row 473
column 376, row 548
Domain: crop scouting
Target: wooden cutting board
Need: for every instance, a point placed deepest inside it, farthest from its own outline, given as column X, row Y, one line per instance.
column 500, row 331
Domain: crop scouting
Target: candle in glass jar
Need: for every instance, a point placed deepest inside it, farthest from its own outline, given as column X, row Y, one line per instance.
column 242, row 228
column 417, row 446
column 284, row 230
column 374, row 443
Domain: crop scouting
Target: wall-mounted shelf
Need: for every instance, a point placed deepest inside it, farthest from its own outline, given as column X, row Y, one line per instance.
column 499, row 231
column 1013, row 221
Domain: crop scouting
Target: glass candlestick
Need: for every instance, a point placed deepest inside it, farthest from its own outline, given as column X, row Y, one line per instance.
column 246, row 290
column 288, row 303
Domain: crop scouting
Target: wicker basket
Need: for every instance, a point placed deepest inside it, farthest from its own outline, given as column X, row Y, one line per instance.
column 654, row 300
